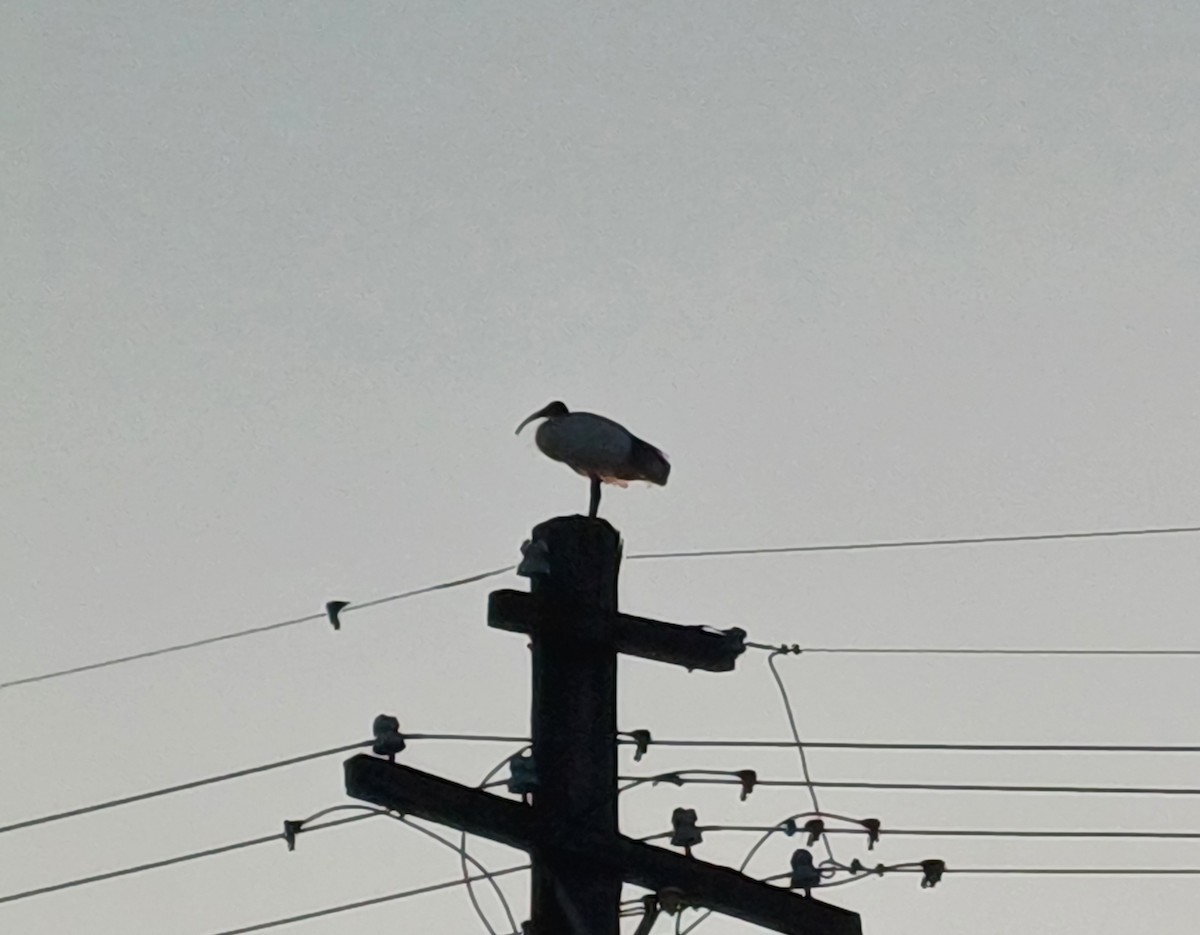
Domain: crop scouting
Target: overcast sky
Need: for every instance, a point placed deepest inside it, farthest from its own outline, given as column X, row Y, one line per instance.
column 281, row 279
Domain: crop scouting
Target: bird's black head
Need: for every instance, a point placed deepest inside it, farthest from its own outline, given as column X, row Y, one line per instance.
column 551, row 411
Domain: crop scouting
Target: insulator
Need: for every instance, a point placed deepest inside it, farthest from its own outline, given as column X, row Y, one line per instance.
column 671, row 899
column 872, row 826
column 535, row 559
column 815, row 828
column 522, row 774
column 290, row 830
column 789, row 827
column 932, row 871
column 684, row 832
column 388, row 739
column 804, row 875
column 748, row 778
column 332, row 609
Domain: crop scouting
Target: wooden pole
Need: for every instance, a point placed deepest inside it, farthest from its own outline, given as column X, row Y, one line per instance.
column 574, row 721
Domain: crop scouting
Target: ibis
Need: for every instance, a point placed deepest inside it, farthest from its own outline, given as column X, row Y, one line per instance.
column 600, row 449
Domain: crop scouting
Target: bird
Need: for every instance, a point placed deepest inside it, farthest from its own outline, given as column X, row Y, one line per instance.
column 600, row 449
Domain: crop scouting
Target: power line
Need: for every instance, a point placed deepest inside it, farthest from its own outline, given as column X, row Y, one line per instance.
column 970, row 651
column 1024, row 871
column 962, row 833
column 791, row 718
column 1071, row 871
column 170, row 861
column 250, row 631
column 181, row 787
column 642, row 556
column 665, row 742
column 363, row 903
column 462, row 840
column 677, row 779
column 464, row 856
column 922, row 543
column 948, row 747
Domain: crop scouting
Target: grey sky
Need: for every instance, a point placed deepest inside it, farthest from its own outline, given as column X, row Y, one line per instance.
column 280, row 281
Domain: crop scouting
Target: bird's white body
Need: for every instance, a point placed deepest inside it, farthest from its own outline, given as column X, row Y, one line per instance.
column 600, row 449
column 589, row 444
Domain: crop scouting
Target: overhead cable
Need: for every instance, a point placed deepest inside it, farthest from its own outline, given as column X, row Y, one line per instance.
column 249, row 631
column 949, row 747
column 363, row 903
column 181, row 787
column 922, row 543
column 343, row 608
column 969, row 651
column 791, row 718
column 182, row 858
column 677, row 778
column 885, row 832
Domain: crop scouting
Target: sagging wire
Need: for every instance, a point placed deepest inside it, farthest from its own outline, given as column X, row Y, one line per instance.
column 363, row 903
column 334, row 609
column 445, row 842
column 791, row 717
column 632, row 781
column 462, row 844
column 291, row 829
column 789, row 827
column 815, row 827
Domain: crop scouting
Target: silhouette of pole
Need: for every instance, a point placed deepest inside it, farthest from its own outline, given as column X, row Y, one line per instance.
column 570, row 827
column 574, row 724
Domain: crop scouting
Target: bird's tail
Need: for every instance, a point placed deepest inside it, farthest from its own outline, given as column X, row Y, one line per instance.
column 650, row 463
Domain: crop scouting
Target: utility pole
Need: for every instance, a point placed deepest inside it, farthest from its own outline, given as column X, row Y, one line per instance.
column 570, row 829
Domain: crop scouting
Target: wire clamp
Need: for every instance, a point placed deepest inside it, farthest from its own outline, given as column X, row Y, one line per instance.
column 535, row 559
column 333, row 609
column 748, row 779
column 672, row 900
column 673, row 778
column 684, row 832
column 932, row 871
column 804, row 874
column 522, row 775
column 650, row 910
column 815, row 828
column 290, row 830
column 388, row 739
column 872, row 825
column 642, row 741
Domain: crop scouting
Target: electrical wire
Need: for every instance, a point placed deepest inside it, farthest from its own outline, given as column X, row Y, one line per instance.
column 181, row 787
column 922, row 543
column 182, row 858
column 949, row 747
column 642, row 556
column 967, row 651
column 767, row 832
column 250, row 631
column 494, row 738
column 791, row 718
column 462, row 845
column 363, row 903
column 464, row 856
column 677, row 779
column 1023, row 871
column 886, row 832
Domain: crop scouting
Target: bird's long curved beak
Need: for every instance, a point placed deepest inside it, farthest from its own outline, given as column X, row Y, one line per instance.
column 537, row 415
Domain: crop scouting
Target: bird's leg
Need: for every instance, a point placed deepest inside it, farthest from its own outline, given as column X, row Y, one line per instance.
column 594, row 505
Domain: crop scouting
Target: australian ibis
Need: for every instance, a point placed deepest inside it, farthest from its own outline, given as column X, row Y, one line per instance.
column 598, row 448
